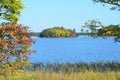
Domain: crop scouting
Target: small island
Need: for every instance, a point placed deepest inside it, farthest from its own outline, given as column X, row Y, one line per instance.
column 57, row 32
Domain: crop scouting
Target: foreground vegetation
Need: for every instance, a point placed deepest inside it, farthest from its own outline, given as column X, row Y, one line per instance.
column 88, row 75
column 67, row 71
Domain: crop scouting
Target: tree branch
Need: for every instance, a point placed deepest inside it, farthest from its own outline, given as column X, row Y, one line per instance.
column 113, row 3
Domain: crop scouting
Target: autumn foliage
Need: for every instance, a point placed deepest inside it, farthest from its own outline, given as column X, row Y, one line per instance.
column 57, row 32
column 15, row 42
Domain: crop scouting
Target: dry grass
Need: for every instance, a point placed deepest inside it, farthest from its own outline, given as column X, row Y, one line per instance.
column 88, row 75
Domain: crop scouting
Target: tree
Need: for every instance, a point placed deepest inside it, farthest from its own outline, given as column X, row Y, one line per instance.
column 111, row 30
column 99, row 30
column 115, row 3
column 10, row 10
column 15, row 42
column 15, row 39
column 92, row 26
column 74, row 30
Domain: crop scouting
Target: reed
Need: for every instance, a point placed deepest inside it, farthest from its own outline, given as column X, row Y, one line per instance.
column 88, row 75
column 75, row 67
column 66, row 71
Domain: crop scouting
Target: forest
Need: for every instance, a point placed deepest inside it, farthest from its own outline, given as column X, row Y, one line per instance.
column 57, row 32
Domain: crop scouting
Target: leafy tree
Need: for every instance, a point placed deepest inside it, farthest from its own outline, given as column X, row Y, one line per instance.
column 91, row 27
column 111, row 30
column 96, row 29
column 15, row 39
column 115, row 3
column 10, row 10
column 15, row 42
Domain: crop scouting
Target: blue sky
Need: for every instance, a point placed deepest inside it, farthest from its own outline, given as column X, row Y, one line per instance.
column 42, row 14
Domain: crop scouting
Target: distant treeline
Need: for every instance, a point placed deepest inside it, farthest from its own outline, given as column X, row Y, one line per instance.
column 77, row 34
column 82, row 34
column 76, row 67
column 35, row 34
column 111, row 30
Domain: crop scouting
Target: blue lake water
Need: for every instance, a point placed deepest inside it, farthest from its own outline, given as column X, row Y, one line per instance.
column 80, row 49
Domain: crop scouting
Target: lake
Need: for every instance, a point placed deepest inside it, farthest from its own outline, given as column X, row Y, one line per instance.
column 79, row 49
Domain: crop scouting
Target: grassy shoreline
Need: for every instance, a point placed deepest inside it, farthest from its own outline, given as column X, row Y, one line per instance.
column 88, row 75
column 76, row 67
column 68, row 71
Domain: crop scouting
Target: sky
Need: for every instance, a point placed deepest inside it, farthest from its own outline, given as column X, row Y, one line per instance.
column 43, row 14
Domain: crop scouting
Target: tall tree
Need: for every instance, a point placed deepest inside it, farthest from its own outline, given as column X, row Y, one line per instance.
column 115, row 3
column 91, row 27
column 15, row 42
column 10, row 10
column 15, row 39
column 110, row 30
